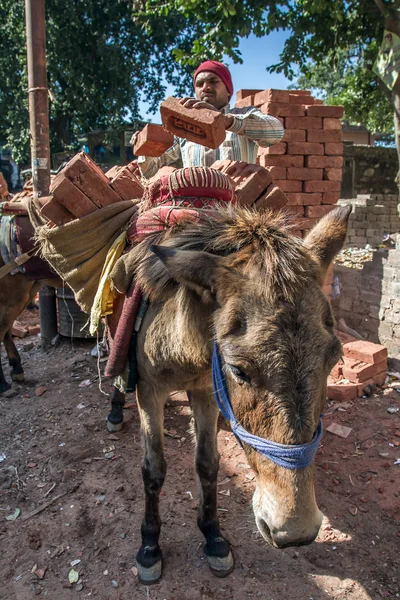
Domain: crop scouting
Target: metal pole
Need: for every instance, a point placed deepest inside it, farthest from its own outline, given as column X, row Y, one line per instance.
column 40, row 146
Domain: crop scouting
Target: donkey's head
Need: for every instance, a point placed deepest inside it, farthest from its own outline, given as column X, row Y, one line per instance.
column 274, row 329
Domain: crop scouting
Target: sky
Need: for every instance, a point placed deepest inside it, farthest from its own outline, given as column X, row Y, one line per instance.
column 257, row 54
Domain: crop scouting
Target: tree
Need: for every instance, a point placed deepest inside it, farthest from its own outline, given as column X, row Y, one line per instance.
column 100, row 62
column 335, row 39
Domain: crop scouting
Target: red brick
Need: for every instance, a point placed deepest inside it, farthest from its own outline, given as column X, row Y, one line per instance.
column 316, row 212
column 335, row 112
column 241, row 94
column 358, row 372
column 303, row 123
column 71, row 197
column 55, row 212
column 294, row 135
column 273, row 199
column 342, row 392
column 380, row 378
column 295, row 210
column 300, row 99
column 134, row 168
column 277, row 172
column 321, row 186
column 365, row 351
column 330, row 197
column 287, row 185
column 268, row 160
column 90, row 179
column 166, row 170
column 307, row 223
column 280, row 96
column 304, row 174
column 248, row 101
column 283, row 110
column 34, row 330
column 336, row 149
column 203, row 126
column 332, row 124
column 333, row 174
column 19, row 330
column 252, row 185
column 113, row 171
column 305, row 148
column 153, row 141
column 324, row 135
column 337, row 371
column 279, row 148
column 321, row 162
column 304, row 199
column 127, row 185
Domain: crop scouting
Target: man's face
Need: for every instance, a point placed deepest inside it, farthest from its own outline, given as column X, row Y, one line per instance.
column 210, row 88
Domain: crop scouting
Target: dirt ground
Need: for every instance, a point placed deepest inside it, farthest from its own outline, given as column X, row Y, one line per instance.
column 55, row 452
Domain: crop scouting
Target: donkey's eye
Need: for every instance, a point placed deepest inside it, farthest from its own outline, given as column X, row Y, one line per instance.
column 238, row 374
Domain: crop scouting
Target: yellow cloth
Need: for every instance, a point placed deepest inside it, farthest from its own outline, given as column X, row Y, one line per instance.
column 104, row 298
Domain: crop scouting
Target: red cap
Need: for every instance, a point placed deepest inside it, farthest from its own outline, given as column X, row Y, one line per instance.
column 218, row 69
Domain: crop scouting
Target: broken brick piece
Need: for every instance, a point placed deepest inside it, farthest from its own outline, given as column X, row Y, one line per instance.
column 201, row 125
column 55, row 212
column 342, row 392
column 18, row 330
column 273, row 198
column 365, row 351
column 71, row 197
column 127, row 185
column 153, row 141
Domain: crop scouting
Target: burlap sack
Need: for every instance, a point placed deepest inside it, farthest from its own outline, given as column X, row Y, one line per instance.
column 77, row 250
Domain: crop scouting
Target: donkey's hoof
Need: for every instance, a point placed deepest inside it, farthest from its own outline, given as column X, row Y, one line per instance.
column 221, row 566
column 4, row 387
column 18, row 377
column 149, row 575
column 113, row 427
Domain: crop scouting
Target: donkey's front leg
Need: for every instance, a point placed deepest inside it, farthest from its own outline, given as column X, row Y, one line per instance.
column 14, row 359
column 217, row 548
column 151, row 409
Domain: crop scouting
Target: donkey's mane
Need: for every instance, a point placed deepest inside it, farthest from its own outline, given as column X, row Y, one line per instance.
column 260, row 245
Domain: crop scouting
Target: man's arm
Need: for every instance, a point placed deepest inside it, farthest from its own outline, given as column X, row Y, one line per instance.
column 254, row 124
column 171, row 157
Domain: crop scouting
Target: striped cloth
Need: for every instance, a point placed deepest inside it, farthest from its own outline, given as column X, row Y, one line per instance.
column 251, row 128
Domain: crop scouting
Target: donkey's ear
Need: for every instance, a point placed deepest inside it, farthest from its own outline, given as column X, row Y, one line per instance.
column 200, row 271
column 326, row 239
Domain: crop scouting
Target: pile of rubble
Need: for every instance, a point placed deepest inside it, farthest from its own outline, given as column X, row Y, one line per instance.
column 354, row 258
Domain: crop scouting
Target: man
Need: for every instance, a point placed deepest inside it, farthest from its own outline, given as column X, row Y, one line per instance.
column 246, row 128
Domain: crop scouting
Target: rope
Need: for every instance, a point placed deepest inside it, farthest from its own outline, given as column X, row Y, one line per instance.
column 296, row 456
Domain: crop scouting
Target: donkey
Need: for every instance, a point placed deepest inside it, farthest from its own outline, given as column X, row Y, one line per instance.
column 241, row 280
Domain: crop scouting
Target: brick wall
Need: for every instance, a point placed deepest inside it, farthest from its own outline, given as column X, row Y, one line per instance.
column 373, row 216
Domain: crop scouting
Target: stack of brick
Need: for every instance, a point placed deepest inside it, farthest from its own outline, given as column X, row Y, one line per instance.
column 307, row 164
column 364, row 363
column 81, row 187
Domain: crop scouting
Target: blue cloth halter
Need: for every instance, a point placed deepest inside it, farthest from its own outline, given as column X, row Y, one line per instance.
column 296, row 456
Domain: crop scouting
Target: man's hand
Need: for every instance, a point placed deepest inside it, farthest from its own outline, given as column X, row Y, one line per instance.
column 195, row 103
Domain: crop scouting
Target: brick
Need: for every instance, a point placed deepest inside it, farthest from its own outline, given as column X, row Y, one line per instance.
column 321, row 186
column 304, row 199
column 332, row 124
column 380, row 378
column 19, row 330
column 280, row 96
column 342, row 392
column 333, row 174
column 71, row 197
column 203, row 126
column 304, row 174
column 295, row 98
column 365, row 351
column 248, row 101
column 307, row 223
column 287, row 185
column 134, row 168
column 166, row 170
column 303, row 123
column 324, row 135
column 324, row 162
column 90, row 179
column 268, row 160
column 127, row 185
column 252, row 185
column 330, row 197
column 282, row 110
column 358, row 372
column 55, row 212
column 294, row 135
column 153, row 141
column 335, row 112
column 113, row 171
column 279, row 148
column 273, row 199
column 305, row 148
column 316, row 212
column 241, row 94
column 277, row 172
column 334, row 148
column 34, row 330
column 298, row 211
